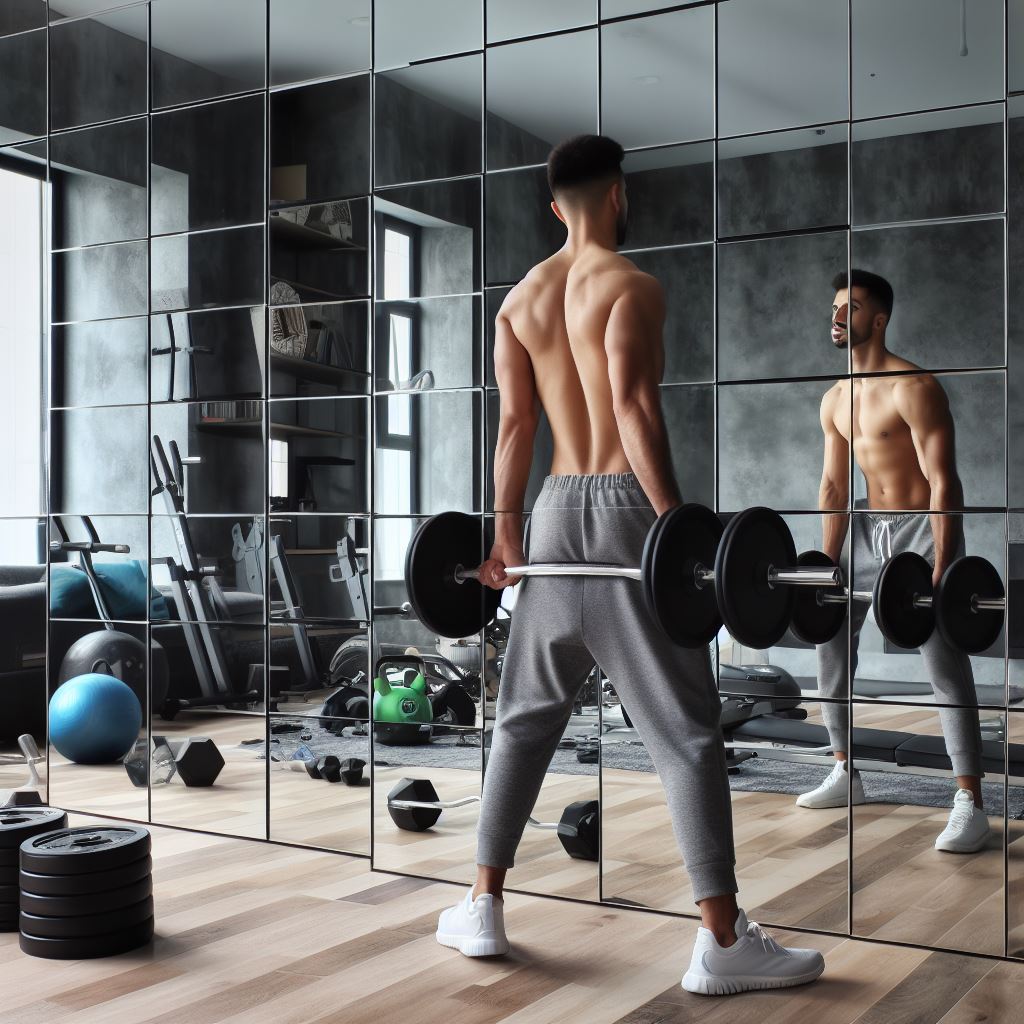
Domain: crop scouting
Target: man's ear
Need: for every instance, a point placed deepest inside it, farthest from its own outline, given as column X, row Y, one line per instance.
column 557, row 212
column 616, row 194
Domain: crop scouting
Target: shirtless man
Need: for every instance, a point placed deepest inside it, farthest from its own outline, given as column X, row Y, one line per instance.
column 580, row 335
column 903, row 441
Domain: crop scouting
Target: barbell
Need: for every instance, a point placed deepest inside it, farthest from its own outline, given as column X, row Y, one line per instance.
column 752, row 565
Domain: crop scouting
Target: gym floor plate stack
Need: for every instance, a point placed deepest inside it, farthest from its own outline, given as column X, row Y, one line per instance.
column 16, row 825
column 86, row 892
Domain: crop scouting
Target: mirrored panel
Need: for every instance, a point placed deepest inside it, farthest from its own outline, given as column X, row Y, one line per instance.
column 428, row 239
column 23, row 691
column 917, row 56
column 538, row 93
column 783, row 181
column 493, row 299
column 956, row 268
column 98, row 182
column 774, row 296
column 925, row 823
column 1015, row 275
column 623, row 8
column 319, row 253
column 212, row 268
column 671, row 194
column 207, row 166
column 23, row 95
column 521, row 229
column 510, row 19
column 658, row 78
column 428, row 121
column 99, row 67
column 219, row 465
column 222, row 553
column 954, row 420
column 806, row 849
column 768, row 436
column 190, row 60
column 320, row 669
column 800, row 48
column 62, row 9
column 99, row 571
column 318, row 455
column 1014, row 836
column 100, row 282
column 406, row 31
column 308, row 811
column 98, row 461
column 320, row 141
column 97, row 714
column 1014, row 44
column 689, row 412
column 948, row 653
column 318, row 38
column 946, row 164
column 427, row 455
column 687, row 276
column 206, row 355
column 427, row 343
column 22, row 15
column 318, row 351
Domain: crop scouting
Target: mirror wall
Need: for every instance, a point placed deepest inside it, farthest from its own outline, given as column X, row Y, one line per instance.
column 275, row 274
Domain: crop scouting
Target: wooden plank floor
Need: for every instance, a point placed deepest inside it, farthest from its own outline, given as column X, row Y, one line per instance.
column 251, row 932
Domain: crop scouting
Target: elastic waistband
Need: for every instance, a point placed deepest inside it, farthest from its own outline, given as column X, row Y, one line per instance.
column 591, row 482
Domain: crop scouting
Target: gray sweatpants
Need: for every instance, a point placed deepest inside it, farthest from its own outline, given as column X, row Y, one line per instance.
column 874, row 538
column 560, row 627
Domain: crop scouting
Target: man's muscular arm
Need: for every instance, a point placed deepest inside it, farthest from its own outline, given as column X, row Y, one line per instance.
column 636, row 363
column 834, row 491
column 924, row 407
column 513, row 455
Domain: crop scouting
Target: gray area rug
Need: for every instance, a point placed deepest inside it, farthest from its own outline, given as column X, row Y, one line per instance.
column 756, row 775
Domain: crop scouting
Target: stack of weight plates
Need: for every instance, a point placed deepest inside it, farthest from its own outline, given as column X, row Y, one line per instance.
column 86, row 892
column 16, row 825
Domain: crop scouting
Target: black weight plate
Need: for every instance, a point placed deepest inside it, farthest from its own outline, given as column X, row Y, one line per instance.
column 88, row 925
column 815, row 622
column 9, row 893
column 85, row 884
column 959, row 624
column 901, row 579
column 90, row 903
column 681, row 539
column 755, row 540
column 84, row 949
column 19, row 823
column 73, row 851
column 8, row 859
column 443, row 605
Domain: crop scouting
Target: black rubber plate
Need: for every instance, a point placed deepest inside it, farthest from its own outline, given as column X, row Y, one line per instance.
column 83, row 949
column 903, row 577
column 443, row 605
column 959, row 624
column 9, row 893
column 8, row 859
column 94, row 903
column 19, row 823
column 73, row 851
column 681, row 539
column 756, row 614
column 87, row 926
column 815, row 622
column 85, row 884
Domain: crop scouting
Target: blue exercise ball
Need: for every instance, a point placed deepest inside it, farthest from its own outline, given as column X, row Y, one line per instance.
column 94, row 719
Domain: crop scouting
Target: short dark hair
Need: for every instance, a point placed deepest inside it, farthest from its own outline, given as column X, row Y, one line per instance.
column 583, row 160
column 874, row 284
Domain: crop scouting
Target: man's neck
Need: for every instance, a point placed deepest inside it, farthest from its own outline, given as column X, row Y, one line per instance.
column 870, row 357
column 583, row 233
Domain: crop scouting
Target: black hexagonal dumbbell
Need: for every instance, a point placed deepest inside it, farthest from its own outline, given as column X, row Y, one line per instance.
column 198, row 760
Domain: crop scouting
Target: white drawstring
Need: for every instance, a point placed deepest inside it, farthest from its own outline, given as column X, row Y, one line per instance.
column 881, row 540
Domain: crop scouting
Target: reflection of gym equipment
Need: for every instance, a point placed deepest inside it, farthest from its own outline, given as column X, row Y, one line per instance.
column 189, row 351
column 194, row 759
column 30, row 757
column 94, row 718
column 414, row 806
column 189, row 581
column 108, row 651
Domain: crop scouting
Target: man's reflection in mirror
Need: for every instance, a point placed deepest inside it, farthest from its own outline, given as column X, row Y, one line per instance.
column 899, row 424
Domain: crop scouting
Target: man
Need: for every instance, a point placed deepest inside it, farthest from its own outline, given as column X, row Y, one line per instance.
column 580, row 335
column 903, row 441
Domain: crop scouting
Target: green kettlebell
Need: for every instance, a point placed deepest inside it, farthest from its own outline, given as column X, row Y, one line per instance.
column 401, row 704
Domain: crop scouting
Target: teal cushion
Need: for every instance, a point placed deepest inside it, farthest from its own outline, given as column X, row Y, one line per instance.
column 123, row 585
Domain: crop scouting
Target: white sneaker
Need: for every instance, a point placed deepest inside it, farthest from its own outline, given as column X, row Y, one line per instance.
column 832, row 792
column 474, row 927
column 968, row 829
column 754, row 961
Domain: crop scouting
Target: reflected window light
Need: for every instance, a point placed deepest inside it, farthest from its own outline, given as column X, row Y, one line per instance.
column 397, row 264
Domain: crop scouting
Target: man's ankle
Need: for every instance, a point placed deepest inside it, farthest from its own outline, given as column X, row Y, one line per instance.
column 478, row 891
